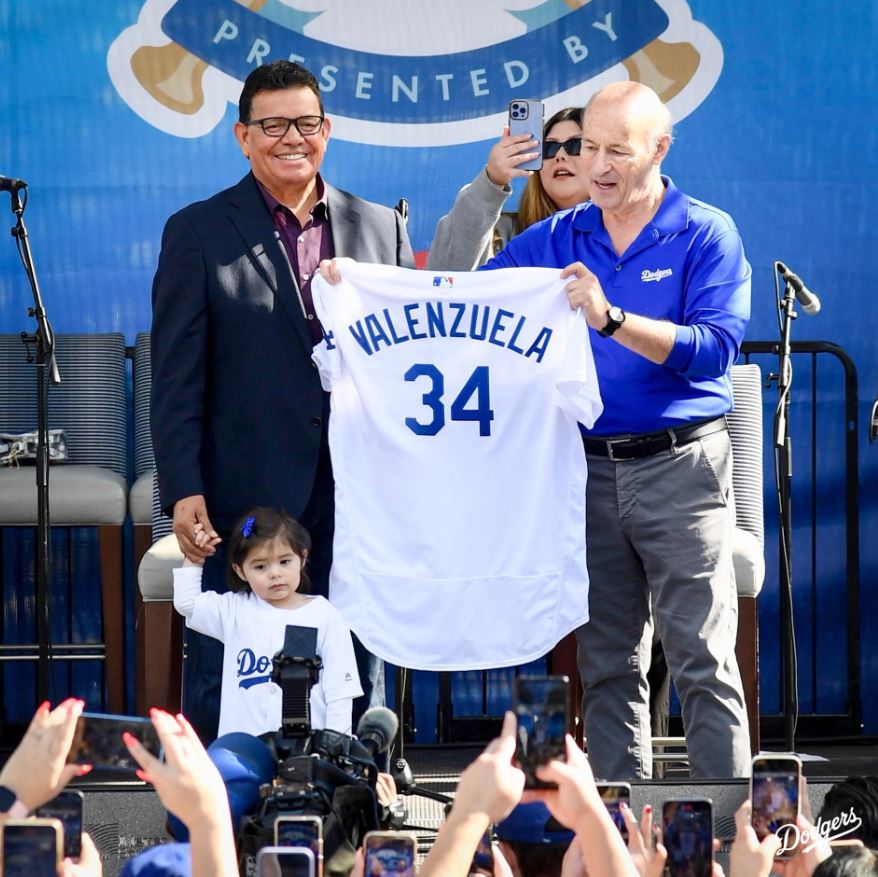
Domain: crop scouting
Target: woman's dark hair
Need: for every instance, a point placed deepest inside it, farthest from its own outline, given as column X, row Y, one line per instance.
column 275, row 76
column 860, row 795
column 258, row 526
column 849, row 862
column 535, row 204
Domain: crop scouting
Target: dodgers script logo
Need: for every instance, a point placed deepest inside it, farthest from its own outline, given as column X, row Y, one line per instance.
column 410, row 72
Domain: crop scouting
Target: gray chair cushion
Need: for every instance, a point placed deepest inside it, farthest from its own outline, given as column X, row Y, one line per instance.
column 79, row 496
column 140, row 500
column 154, row 576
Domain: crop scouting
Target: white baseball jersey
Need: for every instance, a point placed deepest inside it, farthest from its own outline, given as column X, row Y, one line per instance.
column 459, row 467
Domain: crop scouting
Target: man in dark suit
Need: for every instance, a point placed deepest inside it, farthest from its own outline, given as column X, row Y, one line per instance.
column 238, row 414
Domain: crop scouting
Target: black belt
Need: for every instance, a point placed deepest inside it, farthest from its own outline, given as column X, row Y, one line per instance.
column 633, row 447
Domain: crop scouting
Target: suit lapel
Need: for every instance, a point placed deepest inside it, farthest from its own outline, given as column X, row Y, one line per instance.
column 251, row 218
column 345, row 221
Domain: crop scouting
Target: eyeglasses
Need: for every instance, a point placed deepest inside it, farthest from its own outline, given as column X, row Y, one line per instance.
column 277, row 126
column 572, row 147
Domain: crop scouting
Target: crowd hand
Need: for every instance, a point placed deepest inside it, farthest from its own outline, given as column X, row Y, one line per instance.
column 577, row 804
column 385, row 789
column 585, row 291
column 811, row 853
column 37, row 770
column 573, row 863
column 359, row 868
column 491, row 786
column 187, row 781
column 647, row 853
column 87, row 865
column 189, row 512
column 505, row 156
column 331, row 269
column 748, row 857
column 488, row 790
column 502, row 868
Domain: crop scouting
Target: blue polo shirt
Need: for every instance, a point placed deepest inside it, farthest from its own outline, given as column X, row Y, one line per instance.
column 687, row 266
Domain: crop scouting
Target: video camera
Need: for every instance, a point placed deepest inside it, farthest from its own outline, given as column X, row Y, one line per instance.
column 320, row 773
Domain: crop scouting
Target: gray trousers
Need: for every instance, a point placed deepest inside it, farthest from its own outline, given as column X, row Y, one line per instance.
column 659, row 536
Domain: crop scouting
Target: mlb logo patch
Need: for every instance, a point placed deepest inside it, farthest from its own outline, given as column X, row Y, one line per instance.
column 443, row 281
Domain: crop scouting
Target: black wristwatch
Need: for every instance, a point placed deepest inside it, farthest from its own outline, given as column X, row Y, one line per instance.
column 615, row 318
column 10, row 805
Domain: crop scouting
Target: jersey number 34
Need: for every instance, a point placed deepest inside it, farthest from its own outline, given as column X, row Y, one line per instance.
column 476, row 390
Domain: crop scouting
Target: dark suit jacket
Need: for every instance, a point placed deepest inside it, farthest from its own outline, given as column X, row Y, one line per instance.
column 237, row 409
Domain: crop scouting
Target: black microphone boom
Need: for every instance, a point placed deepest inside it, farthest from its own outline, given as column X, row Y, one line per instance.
column 809, row 302
column 10, row 184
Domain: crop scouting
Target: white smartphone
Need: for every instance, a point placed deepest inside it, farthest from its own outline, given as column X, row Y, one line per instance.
column 526, row 117
column 285, row 862
column 775, row 782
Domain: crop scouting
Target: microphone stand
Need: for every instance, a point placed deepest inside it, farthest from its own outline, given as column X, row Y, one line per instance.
column 43, row 341
column 784, row 470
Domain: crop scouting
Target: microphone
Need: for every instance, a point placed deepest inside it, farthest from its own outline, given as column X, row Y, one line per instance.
column 10, row 184
column 809, row 302
column 377, row 728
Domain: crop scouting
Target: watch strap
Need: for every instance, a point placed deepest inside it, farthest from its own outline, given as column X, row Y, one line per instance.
column 612, row 324
column 11, row 805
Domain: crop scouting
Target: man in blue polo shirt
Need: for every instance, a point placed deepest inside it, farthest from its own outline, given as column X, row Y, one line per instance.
column 663, row 283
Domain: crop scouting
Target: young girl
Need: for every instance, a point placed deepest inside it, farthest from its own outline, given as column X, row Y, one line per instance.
column 267, row 555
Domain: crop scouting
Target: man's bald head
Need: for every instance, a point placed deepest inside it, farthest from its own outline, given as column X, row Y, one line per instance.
column 633, row 101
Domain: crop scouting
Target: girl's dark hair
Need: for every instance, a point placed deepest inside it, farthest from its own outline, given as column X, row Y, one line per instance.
column 258, row 526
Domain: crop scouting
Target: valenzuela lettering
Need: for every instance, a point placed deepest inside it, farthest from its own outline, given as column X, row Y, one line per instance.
column 791, row 836
column 453, row 319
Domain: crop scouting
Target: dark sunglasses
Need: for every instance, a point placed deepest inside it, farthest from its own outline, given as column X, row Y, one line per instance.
column 572, row 147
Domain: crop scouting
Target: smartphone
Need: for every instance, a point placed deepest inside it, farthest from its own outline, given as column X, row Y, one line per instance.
column 285, row 862
column 301, row 831
column 31, row 847
column 775, row 781
column 526, row 117
column 482, row 864
column 389, row 854
column 67, row 809
column 98, row 740
column 614, row 794
column 688, row 837
column 542, row 708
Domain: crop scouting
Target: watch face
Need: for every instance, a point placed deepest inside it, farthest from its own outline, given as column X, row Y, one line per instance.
column 617, row 315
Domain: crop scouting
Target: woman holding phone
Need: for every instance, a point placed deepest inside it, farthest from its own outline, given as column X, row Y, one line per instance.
column 476, row 227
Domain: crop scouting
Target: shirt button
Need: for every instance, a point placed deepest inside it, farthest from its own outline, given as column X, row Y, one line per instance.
column 619, row 267
column 316, row 421
column 306, row 277
column 310, row 316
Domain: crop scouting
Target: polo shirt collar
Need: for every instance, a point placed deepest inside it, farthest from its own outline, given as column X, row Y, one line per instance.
column 672, row 215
